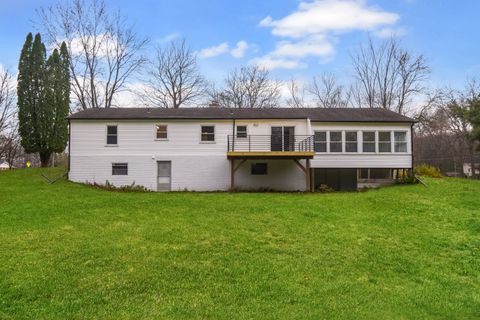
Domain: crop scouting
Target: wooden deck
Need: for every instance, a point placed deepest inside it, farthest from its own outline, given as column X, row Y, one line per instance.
column 271, row 155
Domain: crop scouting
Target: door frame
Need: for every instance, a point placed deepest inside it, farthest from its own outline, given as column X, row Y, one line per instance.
column 170, row 176
column 290, row 144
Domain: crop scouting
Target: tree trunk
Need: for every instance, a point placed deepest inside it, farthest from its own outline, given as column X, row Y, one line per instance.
column 45, row 159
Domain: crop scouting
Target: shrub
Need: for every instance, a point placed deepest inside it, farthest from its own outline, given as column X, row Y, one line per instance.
column 128, row 188
column 428, row 171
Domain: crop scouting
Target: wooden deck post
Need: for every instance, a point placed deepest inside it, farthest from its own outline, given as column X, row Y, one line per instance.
column 232, row 175
column 307, row 174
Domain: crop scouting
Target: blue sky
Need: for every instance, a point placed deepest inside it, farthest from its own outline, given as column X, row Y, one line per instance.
column 293, row 38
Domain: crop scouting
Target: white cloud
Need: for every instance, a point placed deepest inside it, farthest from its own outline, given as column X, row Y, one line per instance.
column 311, row 46
column 214, row 51
column 169, row 37
column 312, row 29
column 268, row 62
column 224, row 48
column 240, row 49
column 390, row 32
column 323, row 16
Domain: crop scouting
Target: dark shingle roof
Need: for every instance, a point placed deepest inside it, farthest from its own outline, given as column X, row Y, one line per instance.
column 314, row 114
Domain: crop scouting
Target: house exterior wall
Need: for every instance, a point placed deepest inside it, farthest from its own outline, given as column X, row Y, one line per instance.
column 196, row 165
column 203, row 166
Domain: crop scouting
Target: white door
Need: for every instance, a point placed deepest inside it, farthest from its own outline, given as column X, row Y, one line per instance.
column 164, row 175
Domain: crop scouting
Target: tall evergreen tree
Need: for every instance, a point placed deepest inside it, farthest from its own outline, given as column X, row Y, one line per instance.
column 44, row 98
column 25, row 98
column 57, row 99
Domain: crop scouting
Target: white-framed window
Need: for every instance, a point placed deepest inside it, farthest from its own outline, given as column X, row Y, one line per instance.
column 241, row 131
column 400, row 141
column 335, row 141
column 112, row 135
column 161, row 132
column 351, row 141
column 320, row 141
column 119, row 169
column 384, row 141
column 368, row 141
column 207, row 133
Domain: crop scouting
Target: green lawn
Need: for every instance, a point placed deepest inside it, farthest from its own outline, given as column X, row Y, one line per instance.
column 69, row 251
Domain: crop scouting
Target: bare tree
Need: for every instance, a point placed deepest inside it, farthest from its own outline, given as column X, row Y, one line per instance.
column 249, row 87
column 174, row 78
column 443, row 131
column 104, row 50
column 297, row 95
column 7, row 100
column 327, row 93
column 10, row 147
column 388, row 76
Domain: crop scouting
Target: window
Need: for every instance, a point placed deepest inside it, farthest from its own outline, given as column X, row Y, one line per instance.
column 363, row 173
column 119, row 169
column 208, row 134
column 384, row 141
column 259, row 169
column 351, row 144
column 161, row 132
column 320, row 141
column 335, row 141
column 400, row 139
column 241, row 131
column 112, row 135
column 369, row 141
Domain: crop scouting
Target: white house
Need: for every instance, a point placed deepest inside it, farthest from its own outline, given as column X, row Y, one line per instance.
column 4, row 165
column 208, row 149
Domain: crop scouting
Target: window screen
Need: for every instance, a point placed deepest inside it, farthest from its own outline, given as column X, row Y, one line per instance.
column 161, row 131
column 335, row 141
column 351, row 142
column 208, row 133
column 320, row 141
column 400, row 139
column 119, row 169
column 369, row 141
column 241, row 131
column 112, row 135
column 384, row 141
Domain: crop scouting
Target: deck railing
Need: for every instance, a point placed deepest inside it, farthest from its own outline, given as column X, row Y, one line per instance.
column 270, row 143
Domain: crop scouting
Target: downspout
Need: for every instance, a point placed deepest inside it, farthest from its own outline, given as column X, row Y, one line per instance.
column 69, row 144
column 411, row 147
column 233, row 131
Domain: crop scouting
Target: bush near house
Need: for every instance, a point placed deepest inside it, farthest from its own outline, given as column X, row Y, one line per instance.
column 428, row 171
column 71, row 251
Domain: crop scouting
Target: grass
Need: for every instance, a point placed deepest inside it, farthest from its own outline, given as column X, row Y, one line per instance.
column 69, row 251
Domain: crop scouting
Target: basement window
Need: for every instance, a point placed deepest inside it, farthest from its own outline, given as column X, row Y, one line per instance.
column 259, row 169
column 119, row 169
column 112, row 135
